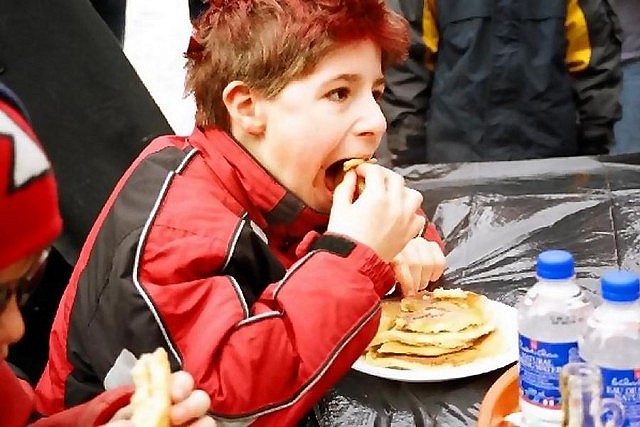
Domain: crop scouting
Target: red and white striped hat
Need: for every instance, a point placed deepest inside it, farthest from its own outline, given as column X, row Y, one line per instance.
column 29, row 215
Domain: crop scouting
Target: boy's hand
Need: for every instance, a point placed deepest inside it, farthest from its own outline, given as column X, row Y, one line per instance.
column 189, row 406
column 419, row 263
column 383, row 217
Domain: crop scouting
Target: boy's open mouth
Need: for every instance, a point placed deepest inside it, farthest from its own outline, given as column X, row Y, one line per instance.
column 335, row 172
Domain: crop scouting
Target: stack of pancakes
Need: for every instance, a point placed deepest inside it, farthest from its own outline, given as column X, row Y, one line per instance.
column 446, row 327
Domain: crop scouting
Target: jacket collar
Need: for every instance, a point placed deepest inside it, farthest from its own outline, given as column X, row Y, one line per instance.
column 269, row 204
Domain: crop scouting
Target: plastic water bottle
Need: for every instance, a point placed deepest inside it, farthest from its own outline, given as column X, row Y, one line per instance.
column 612, row 341
column 551, row 318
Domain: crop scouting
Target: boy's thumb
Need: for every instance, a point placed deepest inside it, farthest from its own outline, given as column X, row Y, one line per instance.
column 344, row 192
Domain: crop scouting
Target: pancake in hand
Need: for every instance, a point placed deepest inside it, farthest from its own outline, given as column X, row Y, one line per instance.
column 346, row 167
column 151, row 400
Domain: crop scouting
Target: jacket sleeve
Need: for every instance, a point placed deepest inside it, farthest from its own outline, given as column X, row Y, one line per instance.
column 16, row 398
column 17, row 405
column 430, row 232
column 268, row 359
column 408, row 85
column 96, row 412
column 593, row 58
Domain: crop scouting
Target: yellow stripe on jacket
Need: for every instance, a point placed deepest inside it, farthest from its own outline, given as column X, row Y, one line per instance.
column 430, row 34
column 578, row 44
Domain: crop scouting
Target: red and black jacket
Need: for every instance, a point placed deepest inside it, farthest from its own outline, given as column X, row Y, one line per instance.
column 200, row 251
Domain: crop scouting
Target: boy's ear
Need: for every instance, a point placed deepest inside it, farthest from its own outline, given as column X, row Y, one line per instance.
column 242, row 105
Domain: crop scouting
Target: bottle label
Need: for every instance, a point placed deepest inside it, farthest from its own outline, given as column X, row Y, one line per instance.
column 540, row 365
column 624, row 385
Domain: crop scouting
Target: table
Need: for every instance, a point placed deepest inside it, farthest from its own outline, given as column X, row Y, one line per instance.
column 496, row 217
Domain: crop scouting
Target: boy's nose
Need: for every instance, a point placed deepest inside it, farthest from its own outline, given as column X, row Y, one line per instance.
column 372, row 121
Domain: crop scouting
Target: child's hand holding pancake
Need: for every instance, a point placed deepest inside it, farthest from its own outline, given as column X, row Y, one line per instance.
column 383, row 217
column 163, row 399
column 350, row 165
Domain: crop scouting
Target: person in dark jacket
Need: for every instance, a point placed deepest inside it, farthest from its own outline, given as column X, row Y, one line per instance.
column 503, row 80
column 237, row 248
column 29, row 223
column 627, row 130
column 113, row 13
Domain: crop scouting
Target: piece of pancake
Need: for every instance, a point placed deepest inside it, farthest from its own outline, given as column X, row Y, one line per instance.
column 423, row 299
column 389, row 311
column 395, row 347
column 445, row 327
column 486, row 346
column 442, row 310
column 455, row 339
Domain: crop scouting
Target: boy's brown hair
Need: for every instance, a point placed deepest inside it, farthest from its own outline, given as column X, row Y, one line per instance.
column 269, row 43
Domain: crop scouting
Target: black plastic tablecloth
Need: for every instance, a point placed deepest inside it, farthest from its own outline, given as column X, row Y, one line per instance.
column 496, row 217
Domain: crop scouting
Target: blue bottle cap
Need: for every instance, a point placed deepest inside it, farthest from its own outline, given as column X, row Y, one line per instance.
column 620, row 286
column 555, row 264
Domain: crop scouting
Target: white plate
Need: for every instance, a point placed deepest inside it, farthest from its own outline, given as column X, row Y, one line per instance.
column 507, row 321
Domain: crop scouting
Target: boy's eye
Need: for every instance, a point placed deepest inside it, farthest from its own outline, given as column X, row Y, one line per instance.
column 339, row 94
column 377, row 94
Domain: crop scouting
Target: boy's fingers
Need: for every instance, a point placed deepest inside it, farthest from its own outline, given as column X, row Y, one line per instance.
column 119, row 423
column 404, row 278
column 427, row 262
column 374, row 176
column 414, row 200
column 124, row 413
column 418, row 224
column 438, row 259
column 394, row 182
column 191, row 408
column 204, row 422
column 425, row 276
column 181, row 386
